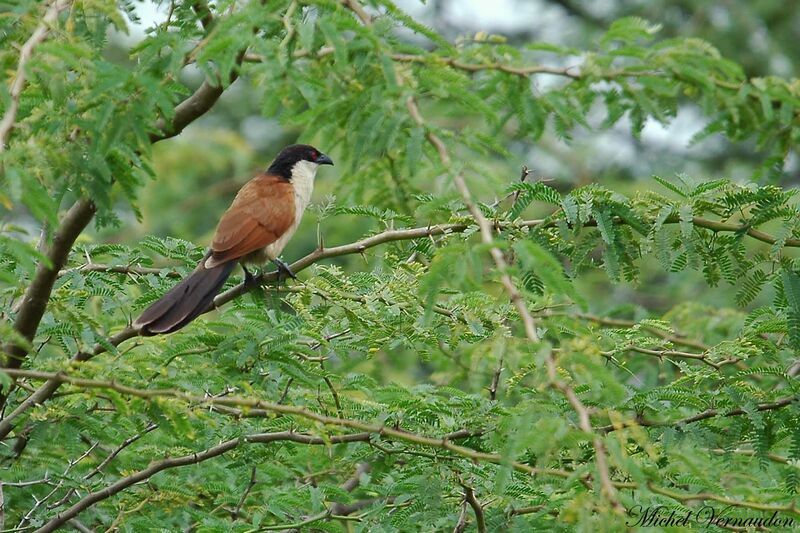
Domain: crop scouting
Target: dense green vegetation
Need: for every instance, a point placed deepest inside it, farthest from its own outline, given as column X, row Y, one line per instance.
column 498, row 324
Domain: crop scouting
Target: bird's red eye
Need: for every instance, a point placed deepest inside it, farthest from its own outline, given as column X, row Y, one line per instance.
column 314, row 156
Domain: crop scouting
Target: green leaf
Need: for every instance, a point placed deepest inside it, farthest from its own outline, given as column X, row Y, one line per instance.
column 791, row 289
column 629, row 30
column 537, row 260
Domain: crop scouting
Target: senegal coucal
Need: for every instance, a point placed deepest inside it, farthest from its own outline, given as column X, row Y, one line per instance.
column 255, row 229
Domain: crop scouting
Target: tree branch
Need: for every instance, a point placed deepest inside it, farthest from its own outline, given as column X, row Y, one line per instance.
column 469, row 497
column 358, row 9
column 25, row 53
column 34, row 301
column 248, row 488
column 366, row 430
column 619, row 323
column 78, row 217
column 127, row 442
column 705, row 415
column 194, row 458
column 249, row 403
column 517, row 299
column 703, row 357
column 47, row 389
column 122, row 269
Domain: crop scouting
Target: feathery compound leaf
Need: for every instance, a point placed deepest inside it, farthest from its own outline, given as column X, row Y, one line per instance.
column 529, row 192
column 540, row 262
column 791, row 290
column 605, row 224
column 391, row 386
column 629, row 30
column 674, row 188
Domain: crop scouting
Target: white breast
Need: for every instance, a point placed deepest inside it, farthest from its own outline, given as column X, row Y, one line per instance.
column 303, row 174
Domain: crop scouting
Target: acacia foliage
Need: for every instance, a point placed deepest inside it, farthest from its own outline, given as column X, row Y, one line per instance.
column 420, row 341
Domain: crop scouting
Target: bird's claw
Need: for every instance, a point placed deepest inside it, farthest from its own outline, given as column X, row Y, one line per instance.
column 283, row 269
column 249, row 279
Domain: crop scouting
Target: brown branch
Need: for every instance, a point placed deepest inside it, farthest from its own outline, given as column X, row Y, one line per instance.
column 366, row 430
column 704, row 415
column 703, row 357
column 526, row 510
column 499, row 260
column 190, row 459
column 521, row 71
column 709, row 496
column 584, row 422
column 42, row 481
column 433, row 139
column 358, row 9
column 34, row 301
column 469, row 497
column 25, row 53
column 192, row 108
column 250, row 484
column 37, row 294
column 751, row 453
column 461, row 525
column 127, row 442
column 573, row 72
column 250, row 403
column 615, row 322
column 122, row 269
column 47, row 389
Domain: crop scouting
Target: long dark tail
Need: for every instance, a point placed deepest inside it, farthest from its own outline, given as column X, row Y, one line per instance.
column 185, row 301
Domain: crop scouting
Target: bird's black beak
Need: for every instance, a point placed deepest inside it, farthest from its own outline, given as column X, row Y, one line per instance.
column 324, row 160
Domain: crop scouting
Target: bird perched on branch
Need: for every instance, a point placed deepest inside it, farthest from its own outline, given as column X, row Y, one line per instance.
column 255, row 229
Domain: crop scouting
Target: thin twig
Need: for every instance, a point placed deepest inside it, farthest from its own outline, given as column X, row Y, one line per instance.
column 704, row 415
column 45, row 391
column 496, row 380
column 195, row 458
column 25, row 53
column 122, row 269
column 127, row 442
column 252, row 483
column 584, row 422
column 461, row 525
column 366, row 431
column 78, row 217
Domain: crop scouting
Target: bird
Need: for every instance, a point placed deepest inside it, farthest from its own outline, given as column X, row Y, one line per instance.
column 261, row 220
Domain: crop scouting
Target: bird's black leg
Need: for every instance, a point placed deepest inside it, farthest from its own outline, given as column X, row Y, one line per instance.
column 283, row 269
column 249, row 279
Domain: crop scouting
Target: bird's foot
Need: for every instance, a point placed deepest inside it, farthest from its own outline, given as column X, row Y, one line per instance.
column 249, row 279
column 283, row 270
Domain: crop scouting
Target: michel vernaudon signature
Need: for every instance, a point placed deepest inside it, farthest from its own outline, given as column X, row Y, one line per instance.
column 662, row 516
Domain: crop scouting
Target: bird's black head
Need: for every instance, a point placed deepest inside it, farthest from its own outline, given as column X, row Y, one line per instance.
column 291, row 155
